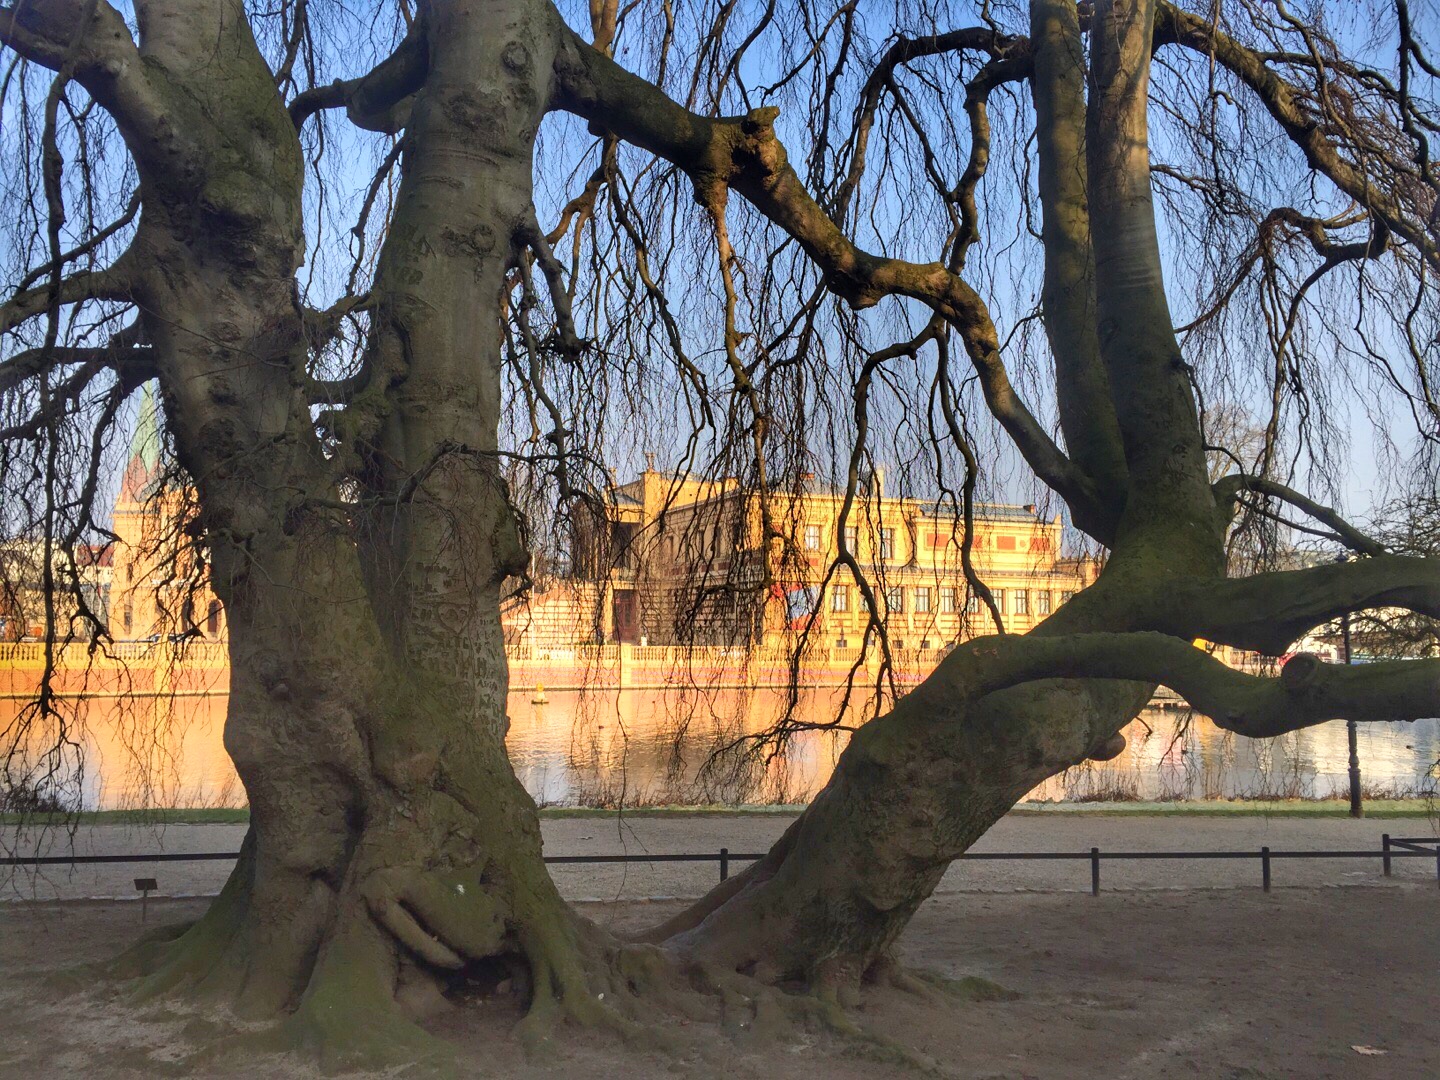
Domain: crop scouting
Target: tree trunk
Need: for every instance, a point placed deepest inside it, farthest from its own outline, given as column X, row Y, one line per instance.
column 447, row 862
column 912, row 791
column 915, row 788
column 367, row 703
column 220, row 242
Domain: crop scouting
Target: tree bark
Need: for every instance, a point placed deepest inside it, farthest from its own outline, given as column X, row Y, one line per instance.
column 447, row 862
column 390, row 840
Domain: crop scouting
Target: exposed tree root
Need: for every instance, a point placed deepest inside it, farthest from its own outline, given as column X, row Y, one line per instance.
column 375, row 990
column 349, row 1016
column 191, row 956
column 934, row 987
column 412, row 941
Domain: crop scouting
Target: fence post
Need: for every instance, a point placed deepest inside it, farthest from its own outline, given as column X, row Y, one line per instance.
column 724, row 863
column 1385, row 858
column 1094, row 871
column 1265, row 868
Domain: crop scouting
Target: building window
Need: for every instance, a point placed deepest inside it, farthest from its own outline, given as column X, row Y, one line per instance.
column 841, row 643
column 922, row 599
column 852, row 538
column 947, row 600
column 812, row 537
column 129, row 618
column 895, row 600
column 1067, row 595
column 840, row 598
column 1042, row 602
column 972, row 604
column 1022, row 602
column 212, row 619
column 887, row 543
column 999, row 595
column 924, row 643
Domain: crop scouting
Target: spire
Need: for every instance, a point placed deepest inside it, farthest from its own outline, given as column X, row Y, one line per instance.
column 145, row 442
column 143, row 464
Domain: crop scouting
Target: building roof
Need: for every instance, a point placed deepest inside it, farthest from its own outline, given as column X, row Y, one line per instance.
column 932, row 507
column 944, row 508
column 100, row 555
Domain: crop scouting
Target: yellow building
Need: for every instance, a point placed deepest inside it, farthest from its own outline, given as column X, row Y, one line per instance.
column 690, row 562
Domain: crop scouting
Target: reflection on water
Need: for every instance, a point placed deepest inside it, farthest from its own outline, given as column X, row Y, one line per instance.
column 1176, row 756
column 137, row 750
column 598, row 748
column 646, row 747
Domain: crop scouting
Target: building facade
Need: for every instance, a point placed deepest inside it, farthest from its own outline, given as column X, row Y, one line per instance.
column 703, row 562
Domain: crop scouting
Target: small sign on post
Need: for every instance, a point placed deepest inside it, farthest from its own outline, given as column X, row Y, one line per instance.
column 144, row 886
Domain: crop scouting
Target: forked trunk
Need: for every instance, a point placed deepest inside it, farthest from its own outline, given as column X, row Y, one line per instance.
column 391, row 842
column 392, row 846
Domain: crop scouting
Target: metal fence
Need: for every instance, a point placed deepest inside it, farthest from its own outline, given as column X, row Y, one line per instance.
column 1391, row 848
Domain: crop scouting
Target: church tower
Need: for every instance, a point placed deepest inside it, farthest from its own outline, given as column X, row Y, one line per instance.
column 152, row 595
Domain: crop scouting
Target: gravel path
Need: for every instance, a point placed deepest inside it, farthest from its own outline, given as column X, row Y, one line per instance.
column 1186, row 984
column 751, row 833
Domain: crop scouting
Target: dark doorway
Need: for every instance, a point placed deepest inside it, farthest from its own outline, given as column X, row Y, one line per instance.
column 627, row 617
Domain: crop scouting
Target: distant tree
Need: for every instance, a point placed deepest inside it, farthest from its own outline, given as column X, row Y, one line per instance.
column 1406, row 526
column 179, row 214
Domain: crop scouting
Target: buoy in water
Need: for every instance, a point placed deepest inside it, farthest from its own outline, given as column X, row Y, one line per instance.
column 539, row 696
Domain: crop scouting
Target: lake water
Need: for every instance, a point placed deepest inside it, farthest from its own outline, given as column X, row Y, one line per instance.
column 647, row 747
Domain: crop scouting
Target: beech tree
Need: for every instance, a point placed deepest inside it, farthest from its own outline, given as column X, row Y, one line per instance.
column 356, row 499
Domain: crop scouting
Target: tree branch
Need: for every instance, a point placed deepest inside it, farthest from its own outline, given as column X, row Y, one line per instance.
column 1308, row 692
column 93, row 38
column 31, row 362
column 1228, row 488
column 1270, row 612
column 1310, row 133
column 1170, row 499
column 321, row 325
column 1087, row 412
column 133, row 365
column 112, row 283
column 376, row 101
column 744, row 155
column 901, row 52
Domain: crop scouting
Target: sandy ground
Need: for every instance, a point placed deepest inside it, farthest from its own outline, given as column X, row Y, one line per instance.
column 753, row 833
column 1133, row 985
